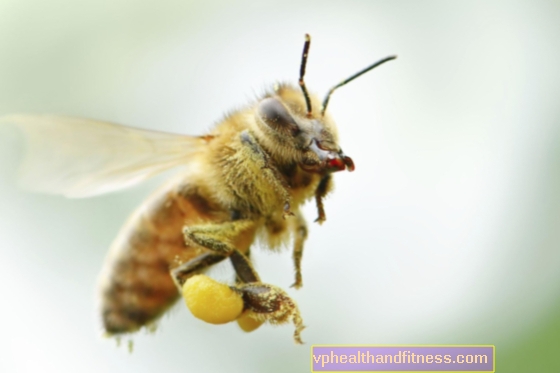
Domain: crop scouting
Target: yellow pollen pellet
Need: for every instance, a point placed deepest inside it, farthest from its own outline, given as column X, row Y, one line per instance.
column 211, row 301
column 248, row 323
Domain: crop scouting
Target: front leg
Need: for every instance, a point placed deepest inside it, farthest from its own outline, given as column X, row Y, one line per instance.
column 324, row 187
column 299, row 227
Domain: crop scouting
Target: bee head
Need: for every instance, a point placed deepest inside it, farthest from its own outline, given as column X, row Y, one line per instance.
column 310, row 140
column 299, row 126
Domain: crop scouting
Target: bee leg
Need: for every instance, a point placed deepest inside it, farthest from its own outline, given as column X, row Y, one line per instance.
column 272, row 174
column 181, row 273
column 324, row 187
column 266, row 302
column 262, row 302
column 300, row 235
column 244, row 271
column 216, row 238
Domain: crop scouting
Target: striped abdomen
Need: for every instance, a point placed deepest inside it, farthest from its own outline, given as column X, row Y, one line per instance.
column 136, row 287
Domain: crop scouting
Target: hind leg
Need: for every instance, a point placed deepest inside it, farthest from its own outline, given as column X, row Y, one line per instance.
column 261, row 302
column 218, row 238
column 181, row 273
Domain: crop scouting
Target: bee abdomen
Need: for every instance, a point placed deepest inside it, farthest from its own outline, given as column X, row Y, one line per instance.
column 137, row 287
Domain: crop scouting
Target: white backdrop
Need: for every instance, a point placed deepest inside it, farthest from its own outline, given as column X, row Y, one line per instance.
column 445, row 233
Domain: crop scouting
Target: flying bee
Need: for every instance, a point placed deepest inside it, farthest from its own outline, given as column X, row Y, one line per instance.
column 245, row 179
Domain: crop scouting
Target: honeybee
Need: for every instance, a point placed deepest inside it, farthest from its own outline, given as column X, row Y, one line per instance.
column 245, row 179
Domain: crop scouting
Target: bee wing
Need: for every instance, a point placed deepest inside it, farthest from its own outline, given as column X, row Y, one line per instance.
column 79, row 158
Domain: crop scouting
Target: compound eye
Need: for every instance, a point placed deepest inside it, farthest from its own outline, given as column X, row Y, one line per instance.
column 277, row 117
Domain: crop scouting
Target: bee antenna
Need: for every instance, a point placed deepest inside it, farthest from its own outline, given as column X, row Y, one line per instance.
column 302, row 73
column 348, row 80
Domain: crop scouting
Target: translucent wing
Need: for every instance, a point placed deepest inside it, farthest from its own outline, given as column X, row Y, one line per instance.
column 81, row 158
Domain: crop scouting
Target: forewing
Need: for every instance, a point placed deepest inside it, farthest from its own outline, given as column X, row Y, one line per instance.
column 78, row 157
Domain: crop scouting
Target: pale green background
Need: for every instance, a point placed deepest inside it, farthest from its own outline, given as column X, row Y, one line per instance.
column 448, row 231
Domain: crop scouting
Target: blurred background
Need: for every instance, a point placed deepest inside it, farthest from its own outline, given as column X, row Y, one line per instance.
column 448, row 231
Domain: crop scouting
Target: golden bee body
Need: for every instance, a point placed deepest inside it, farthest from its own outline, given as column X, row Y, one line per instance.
column 223, row 180
column 244, row 180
